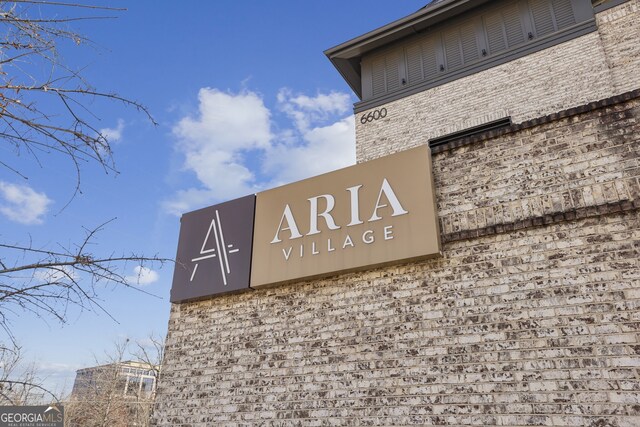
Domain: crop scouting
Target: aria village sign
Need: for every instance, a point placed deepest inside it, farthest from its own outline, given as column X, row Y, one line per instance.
column 371, row 214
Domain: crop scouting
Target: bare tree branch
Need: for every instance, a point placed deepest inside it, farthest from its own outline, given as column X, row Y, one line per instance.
column 64, row 277
column 46, row 112
column 19, row 385
column 79, row 5
column 115, row 393
column 48, row 109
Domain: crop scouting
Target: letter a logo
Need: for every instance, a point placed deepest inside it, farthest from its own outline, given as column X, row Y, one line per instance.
column 221, row 249
column 214, row 250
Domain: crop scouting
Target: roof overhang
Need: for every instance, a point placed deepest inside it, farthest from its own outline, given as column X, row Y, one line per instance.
column 346, row 57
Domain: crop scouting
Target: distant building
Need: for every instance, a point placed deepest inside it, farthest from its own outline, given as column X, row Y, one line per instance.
column 115, row 394
column 132, row 378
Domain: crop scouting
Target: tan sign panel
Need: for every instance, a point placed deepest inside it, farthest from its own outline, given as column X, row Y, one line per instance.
column 370, row 214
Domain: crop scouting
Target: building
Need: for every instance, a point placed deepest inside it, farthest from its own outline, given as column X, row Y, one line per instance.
column 117, row 394
column 531, row 110
column 128, row 378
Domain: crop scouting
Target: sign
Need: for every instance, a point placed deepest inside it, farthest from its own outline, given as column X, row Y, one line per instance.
column 32, row 416
column 214, row 250
column 371, row 214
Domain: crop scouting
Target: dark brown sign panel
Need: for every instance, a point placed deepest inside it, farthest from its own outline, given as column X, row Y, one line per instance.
column 370, row 214
column 214, row 250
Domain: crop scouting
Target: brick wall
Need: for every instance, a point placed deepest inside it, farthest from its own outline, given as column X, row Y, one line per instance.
column 531, row 316
column 564, row 164
column 619, row 29
column 592, row 67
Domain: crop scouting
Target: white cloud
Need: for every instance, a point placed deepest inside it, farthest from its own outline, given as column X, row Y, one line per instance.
column 142, row 276
column 311, row 149
column 226, row 121
column 22, row 204
column 113, row 134
column 216, row 142
column 305, row 110
column 231, row 147
column 323, row 149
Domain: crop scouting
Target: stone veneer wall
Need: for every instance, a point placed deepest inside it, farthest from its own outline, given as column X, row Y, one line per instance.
column 530, row 317
column 595, row 66
column 619, row 30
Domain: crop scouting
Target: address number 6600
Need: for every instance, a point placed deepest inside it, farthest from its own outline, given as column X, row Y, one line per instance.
column 373, row 115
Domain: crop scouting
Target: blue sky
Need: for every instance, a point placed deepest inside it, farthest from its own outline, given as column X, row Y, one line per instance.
column 244, row 99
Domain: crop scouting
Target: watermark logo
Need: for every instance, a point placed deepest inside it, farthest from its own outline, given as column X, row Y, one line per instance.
column 32, row 416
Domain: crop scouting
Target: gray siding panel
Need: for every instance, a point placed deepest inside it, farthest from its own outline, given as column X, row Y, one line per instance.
column 491, row 61
column 414, row 63
column 379, row 85
column 482, row 38
column 392, row 71
column 452, row 51
column 513, row 25
column 496, row 34
column 430, row 62
column 564, row 13
column 542, row 17
column 469, row 42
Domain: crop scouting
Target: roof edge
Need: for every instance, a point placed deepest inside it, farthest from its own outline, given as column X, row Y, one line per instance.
column 346, row 56
column 397, row 25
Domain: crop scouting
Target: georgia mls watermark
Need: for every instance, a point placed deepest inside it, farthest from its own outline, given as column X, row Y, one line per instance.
column 32, row 416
